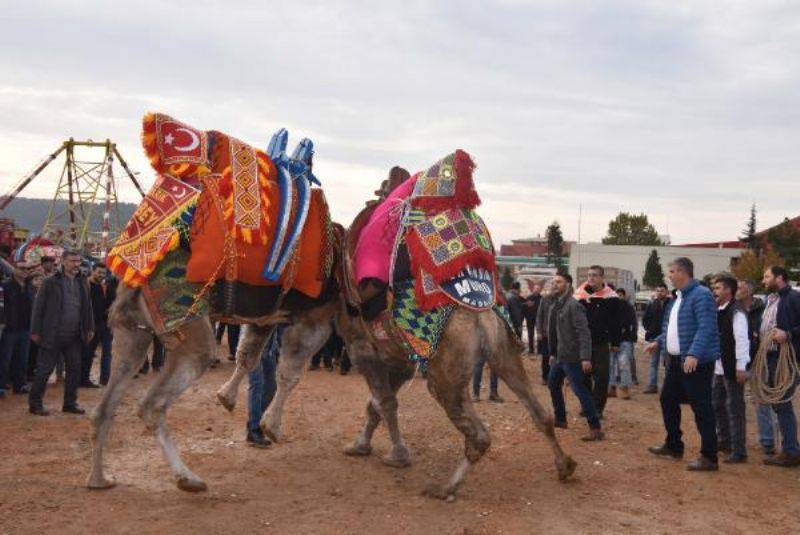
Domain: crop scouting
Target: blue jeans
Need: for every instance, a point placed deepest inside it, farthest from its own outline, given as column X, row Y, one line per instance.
column 621, row 365
column 785, row 412
column 14, row 358
column 573, row 371
column 477, row 377
column 655, row 359
column 261, row 389
column 766, row 426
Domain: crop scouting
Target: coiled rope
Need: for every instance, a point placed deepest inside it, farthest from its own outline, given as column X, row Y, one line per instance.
column 787, row 373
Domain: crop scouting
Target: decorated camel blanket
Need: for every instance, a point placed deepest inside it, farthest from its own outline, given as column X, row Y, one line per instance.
column 449, row 247
column 241, row 215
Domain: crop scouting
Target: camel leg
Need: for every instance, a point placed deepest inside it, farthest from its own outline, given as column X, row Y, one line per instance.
column 185, row 364
column 129, row 351
column 384, row 382
column 251, row 344
column 300, row 342
column 506, row 361
column 448, row 382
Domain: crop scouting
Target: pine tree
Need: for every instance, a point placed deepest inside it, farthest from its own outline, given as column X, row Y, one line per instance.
column 555, row 243
column 749, row 236
column 653, row 272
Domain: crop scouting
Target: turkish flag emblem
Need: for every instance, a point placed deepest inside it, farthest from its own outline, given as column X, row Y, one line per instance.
column 181, row 143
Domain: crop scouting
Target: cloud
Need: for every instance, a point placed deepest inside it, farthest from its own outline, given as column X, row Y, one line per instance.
column 682, row 110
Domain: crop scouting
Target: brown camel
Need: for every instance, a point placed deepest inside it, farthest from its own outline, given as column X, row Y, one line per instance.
column 189, row 353
column 386, row 367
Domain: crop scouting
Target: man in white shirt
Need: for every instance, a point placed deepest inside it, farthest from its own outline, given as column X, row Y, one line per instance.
column 730, row 371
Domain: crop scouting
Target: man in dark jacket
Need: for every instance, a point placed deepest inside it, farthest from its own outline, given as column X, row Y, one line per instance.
column 102, row 294
column 781, row 320
column 515, row 304
column 651, row 321
column 62, row 322
column 570, row 344
column 542, row 317
column 604, row 312
column 754, row 308
column 530, row 308
column 621, row 376
column 691, row 338
column 18, row 296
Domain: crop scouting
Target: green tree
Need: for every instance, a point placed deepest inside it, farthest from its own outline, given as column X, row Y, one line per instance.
column 506, row 279
column 653, row 272
column 749, row 234
column 785, row 239
column 631, row 229
column 751, row 265
column 555, row 243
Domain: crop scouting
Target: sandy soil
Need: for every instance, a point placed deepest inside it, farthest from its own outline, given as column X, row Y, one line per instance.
column 305, row 484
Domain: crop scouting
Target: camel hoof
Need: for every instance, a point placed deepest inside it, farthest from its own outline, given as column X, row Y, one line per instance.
column 396, row 461
column 357, row 450
column 567, row 469
column 191, row 485
column 439, row 492
column 225, row 402
column 270, row 434
column 101, row 483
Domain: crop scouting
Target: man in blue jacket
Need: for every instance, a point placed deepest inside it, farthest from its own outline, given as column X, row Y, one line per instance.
column 691, row 339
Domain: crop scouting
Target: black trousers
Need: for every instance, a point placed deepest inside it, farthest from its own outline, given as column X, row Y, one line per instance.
column 695, row 389
column 72, row 349
column 597, row 381
column 531, row 327
column 544, row 351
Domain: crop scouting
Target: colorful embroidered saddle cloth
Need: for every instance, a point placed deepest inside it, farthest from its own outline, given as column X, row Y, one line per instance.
column 449, row 247
column 243, row 218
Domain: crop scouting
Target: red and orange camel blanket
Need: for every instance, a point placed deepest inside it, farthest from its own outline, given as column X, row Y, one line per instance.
column 219, row 199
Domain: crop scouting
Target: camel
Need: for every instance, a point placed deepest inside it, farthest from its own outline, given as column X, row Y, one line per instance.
column 386, row 368
column 190, row 340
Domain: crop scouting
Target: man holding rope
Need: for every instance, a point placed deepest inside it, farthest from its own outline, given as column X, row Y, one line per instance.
column 780, row 329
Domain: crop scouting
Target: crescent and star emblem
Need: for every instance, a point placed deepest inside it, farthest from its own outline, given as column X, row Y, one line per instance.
column 169, row 139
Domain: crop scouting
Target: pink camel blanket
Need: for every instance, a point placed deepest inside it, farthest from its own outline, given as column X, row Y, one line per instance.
column 376, row 243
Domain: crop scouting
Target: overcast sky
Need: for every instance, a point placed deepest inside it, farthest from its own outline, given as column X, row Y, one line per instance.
column 687, row 111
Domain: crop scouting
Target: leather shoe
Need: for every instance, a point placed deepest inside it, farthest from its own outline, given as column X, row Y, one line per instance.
column 702, row 464
column 496, row 398
column 89, row 384
column 650, row 390
column 39, row 411
column 784, row 460
column 594, row 435
column 24, row 389
column 665, row 451
column 735, row 458
column 73, row 410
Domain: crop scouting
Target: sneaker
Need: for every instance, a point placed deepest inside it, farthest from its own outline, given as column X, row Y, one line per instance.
column 24, row 389
column 39, row 411
column 768, row 450
column 256, row 439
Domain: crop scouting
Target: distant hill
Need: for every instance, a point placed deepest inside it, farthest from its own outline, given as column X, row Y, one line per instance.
column 31, row 213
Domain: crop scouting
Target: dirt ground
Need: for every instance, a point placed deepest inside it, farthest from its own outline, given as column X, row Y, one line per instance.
column 306, row 485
